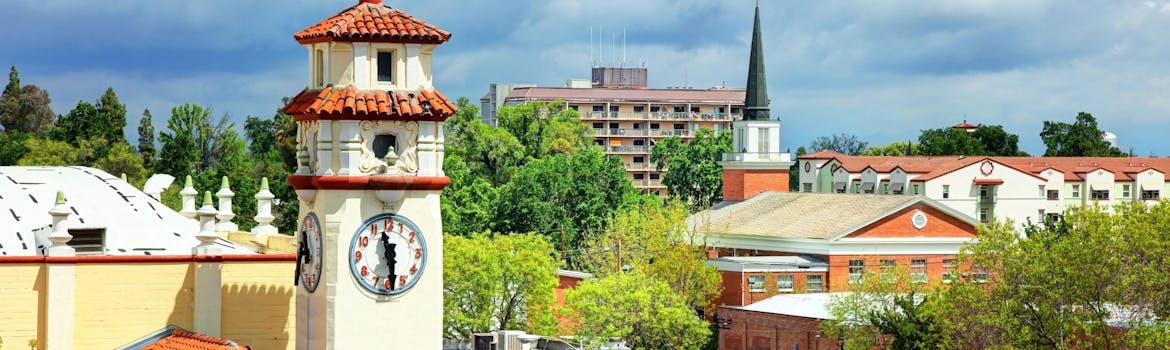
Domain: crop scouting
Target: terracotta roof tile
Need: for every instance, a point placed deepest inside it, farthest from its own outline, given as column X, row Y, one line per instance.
column 184, row 340
column 373, row 21
column 931, row 167
column 371, row 104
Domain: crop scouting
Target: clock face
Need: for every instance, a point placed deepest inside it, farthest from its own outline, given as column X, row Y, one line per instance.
column 387, row 254
column 309, row 254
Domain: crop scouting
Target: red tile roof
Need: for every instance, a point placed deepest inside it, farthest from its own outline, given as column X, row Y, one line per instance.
column 965, row 125
column 372, row 21
column 184, row 340
column 332, row 102
column 932, row 167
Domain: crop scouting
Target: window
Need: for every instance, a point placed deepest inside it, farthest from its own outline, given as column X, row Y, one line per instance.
column 948, row 270
column 918, row 271
column 1100, row 195
column 599, row 108
column 639, row 176
column 806, row 187
column 984, row 192
column 639, row 159
column 382, row 144
column 655, row 109
column 574, row 107
column 694, row 109
column 856, row 271
column 1053, row 195
column 734, row 110
column 88, row 241
column 916, row 189
column 816, row 284
column 638, row 126
column 679, row 109
column 983, row 215
column 1125, row 191
column 946, row 191
column 885, row 188
column 756, row 284
column 1053, row 217
column 979, row 274
column 679, row 126
column 655, row 176
column 639, row 142
column 856, row 187
column 598, row 125
column 615, row 109
column 385, row 67
column 319, row 68
column 613, row 125
column 1076, row 191
column 887, row 269
column 1151, row 195
column 784, row 283
column 654, row 126
column 639, row 109
column 762, row 139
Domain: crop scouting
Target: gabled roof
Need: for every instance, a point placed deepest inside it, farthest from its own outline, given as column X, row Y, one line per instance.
column 827, row 216
column 175, row 338
column 370, row 20
column 965, row 125
column 134, row 223
column 930, row 167
column 427, row 104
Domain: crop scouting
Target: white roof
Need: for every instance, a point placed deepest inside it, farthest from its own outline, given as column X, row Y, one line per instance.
column 811, row 305
column 769, row 263
column 134, row 223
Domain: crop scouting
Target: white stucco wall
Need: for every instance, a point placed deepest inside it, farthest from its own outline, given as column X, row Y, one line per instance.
column 1018, row 199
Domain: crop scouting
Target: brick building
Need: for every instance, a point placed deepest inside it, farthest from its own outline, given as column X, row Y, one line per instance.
column 777, row 323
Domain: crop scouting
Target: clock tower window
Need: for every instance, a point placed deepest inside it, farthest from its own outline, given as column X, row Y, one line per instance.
column 319, row 67
column 382, row 144
column 385, row 67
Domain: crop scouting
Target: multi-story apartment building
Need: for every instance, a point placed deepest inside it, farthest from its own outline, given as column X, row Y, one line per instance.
column 1018, row 188
column 628, row 118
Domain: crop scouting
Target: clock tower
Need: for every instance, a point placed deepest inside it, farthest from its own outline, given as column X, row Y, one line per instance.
column 369, row 175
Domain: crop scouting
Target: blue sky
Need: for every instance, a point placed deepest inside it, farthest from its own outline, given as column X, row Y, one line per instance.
column 882, row 70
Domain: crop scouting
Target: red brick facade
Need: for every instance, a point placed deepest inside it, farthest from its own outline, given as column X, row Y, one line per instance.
column 900, row 225
column 741, row 184
column 750, row 330
column 737, row 291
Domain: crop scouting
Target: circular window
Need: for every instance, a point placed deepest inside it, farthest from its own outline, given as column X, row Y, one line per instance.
column 919, row 220
column 986, row 168
column 807, row 166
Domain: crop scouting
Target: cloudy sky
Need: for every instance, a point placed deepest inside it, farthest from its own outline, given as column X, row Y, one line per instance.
column 882, row 70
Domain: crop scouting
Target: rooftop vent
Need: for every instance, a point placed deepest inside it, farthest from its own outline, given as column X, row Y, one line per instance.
column 90, row 241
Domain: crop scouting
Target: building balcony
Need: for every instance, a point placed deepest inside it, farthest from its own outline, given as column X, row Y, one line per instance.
column 693, row 116
column 643, row 166
column 619, row 132
column 671, row 132
column 628, row 149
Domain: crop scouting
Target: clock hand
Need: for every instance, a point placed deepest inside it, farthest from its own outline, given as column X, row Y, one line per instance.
column 389, row 254
column 302, row 255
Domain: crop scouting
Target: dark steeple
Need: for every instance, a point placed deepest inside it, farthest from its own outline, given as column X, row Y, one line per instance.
column 756, row 102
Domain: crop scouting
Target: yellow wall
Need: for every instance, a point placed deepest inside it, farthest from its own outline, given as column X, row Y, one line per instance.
column 21, row 303
column 118, row 303
column 259, row 304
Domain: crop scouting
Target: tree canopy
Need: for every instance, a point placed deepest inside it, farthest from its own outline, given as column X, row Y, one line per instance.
column 1080, row 138
column 986, row 140
column 694, row 175
column 846, row 144
column 498, row 282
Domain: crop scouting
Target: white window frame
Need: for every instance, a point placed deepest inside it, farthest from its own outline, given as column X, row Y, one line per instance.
column 1076, row 191
column 948, row 270
column 946, row 191
column 820, row 283
column 756, row 284
column 856, row 270
column 918, row 270
column 1126, row 191
column 785, row 283
column 887, row 267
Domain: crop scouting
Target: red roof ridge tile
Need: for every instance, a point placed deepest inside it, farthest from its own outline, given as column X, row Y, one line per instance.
column 372, row 21
column 335, row 102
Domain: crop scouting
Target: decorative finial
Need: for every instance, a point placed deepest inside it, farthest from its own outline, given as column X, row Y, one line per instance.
column 124, row 177
column 391, row 156
column 189, row 182
column 224, row 184
column 264, row 184
column 60, row 197
column 207, row 198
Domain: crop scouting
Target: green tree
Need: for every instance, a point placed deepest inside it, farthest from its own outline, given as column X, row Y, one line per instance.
column 847, row 144
column 115, row 113
column 1069, row 284
column 695, row 175
column 45, row 152
column 545, row 128
column 469, row 201
column 84, row 121
column 12, row 146
column 986, row 140
column 1081, row 138
column 640, row 309
column 653, row 238
column 13, row 82
column 121, row 159
column 488, row 152
column 146, row 134
column 26, row 109
column 565, row 197
column 498, row 282
column 896, row 148
column 192, row 142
